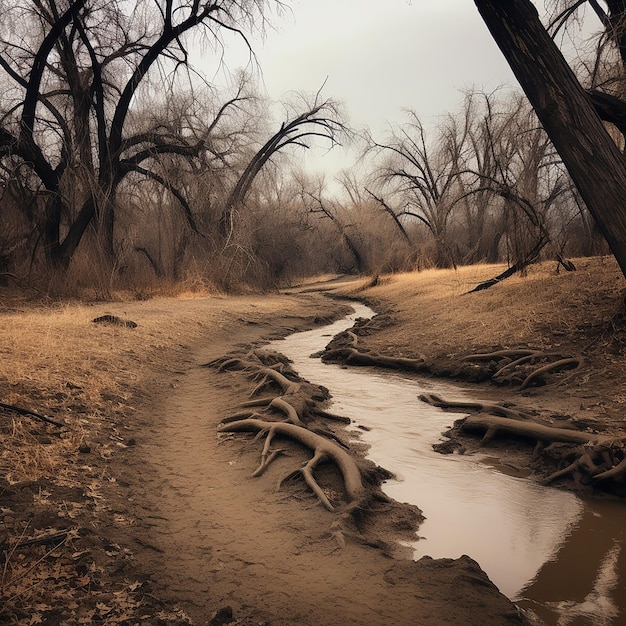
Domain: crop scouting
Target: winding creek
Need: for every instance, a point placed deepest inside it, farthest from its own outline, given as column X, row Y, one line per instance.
column 559, row 557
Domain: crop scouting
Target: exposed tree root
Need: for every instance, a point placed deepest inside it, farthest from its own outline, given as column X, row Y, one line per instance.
column 567, row 362
column 270, row 368
column 333, row 417
column 492, row 425
column 589, row 458
column 498, row 354
column 344, row 348
column 480, row 407
column 525, row 366
column 323, row 450
column 294, row 414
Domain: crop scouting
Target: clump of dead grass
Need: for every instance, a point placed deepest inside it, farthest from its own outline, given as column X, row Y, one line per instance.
column 30, row 452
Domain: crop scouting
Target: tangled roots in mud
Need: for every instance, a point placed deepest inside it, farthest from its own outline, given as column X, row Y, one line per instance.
column 344, row 348
column 292, row 409
column 525, row 366
column 588, row 458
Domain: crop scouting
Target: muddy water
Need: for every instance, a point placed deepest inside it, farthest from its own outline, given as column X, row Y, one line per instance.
column 557, row 556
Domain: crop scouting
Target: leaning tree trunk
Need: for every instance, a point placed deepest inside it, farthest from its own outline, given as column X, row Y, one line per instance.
column 566, row 112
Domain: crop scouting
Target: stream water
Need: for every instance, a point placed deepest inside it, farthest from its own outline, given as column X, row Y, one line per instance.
column 556, row 555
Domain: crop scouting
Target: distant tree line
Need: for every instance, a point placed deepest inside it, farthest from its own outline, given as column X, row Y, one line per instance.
column 121, row 166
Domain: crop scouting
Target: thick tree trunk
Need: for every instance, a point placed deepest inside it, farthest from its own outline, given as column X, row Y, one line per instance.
column 52, row 227
column 65, row 251
column 566, row 113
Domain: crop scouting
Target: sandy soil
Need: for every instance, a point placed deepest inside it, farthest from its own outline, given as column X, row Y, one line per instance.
column 159, row 519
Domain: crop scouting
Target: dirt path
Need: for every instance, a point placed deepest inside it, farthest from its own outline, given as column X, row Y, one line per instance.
column 210, row 536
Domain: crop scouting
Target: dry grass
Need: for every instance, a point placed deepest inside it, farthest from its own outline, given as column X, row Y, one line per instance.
column 437, row 317
column 61, row 365
column 55, row 361
column 27, row 455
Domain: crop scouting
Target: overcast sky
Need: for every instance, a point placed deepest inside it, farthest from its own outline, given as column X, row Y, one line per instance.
column 383, row 56
column 380, row 57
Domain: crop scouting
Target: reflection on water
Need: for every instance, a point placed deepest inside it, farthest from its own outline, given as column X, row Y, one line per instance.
column 585, row 583
column 555, row 554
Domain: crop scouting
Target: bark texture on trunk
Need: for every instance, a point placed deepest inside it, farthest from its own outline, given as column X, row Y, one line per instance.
column 566, row 112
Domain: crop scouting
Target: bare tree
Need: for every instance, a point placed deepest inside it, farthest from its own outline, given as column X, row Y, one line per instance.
column 422, row 176
column 73, row 68
column 491, row 146
column 318, row 204
column 320, row 119
column 527, row 174
column 187, row 194
column 570, row 115
column 488, row 185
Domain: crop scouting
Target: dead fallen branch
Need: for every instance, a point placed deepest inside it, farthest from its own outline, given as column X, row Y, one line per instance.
column 530, row 258
column 590, row 458
column 55, row 539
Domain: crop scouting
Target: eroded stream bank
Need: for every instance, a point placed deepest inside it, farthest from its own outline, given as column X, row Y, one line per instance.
column 213, row 536
column 557, row 555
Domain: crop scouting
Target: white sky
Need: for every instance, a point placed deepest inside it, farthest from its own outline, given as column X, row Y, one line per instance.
column 383, row 56
column 378, row 57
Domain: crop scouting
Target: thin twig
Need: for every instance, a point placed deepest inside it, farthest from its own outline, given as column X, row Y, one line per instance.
column 55, row 538
column 28, row 412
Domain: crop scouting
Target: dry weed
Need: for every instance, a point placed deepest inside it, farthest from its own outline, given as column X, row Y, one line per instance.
column 29, row 453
